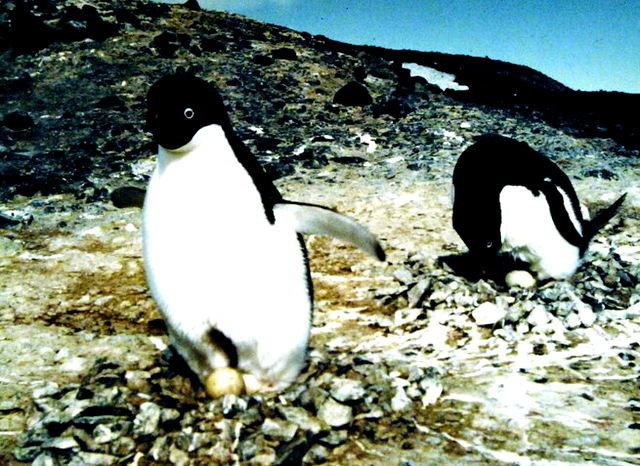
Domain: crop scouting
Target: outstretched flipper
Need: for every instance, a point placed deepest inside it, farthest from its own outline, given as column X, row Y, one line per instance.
column 310, row 219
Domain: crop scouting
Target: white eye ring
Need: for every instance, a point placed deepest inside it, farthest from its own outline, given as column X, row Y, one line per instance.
column 189, row 113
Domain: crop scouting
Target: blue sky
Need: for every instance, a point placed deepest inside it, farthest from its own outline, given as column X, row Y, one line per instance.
column 585, row 44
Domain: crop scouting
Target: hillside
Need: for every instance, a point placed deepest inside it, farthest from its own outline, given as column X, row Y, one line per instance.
column 401, row 369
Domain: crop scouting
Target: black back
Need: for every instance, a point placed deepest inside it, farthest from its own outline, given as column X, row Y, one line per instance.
column 484, row 169
column 180, row 104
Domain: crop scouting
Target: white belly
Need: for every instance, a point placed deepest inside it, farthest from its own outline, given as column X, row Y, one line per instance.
column 529, row 233
column 213, row 260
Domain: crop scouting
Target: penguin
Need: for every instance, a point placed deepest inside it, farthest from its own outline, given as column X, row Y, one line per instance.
column 510, row 199
column 224, row 255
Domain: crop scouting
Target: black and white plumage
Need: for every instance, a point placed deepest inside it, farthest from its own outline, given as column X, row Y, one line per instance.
column 223, row 251
column 509, row 198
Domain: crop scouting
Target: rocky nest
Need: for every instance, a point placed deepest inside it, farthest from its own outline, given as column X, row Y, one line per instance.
column 410, row 362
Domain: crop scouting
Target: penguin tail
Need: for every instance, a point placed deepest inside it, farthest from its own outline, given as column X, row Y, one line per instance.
column 602, row 218
column 312, row 219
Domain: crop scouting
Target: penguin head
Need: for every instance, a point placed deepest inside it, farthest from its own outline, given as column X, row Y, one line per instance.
column 179, row 105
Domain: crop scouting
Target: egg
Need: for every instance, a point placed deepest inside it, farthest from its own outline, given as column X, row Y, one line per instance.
column 225, row 381
column 520, row 278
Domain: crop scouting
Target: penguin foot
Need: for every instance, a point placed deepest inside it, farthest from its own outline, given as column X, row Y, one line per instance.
column 254, row 385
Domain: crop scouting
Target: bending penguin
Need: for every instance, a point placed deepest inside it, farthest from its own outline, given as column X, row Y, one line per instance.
column 223, row 251
column 509, row 198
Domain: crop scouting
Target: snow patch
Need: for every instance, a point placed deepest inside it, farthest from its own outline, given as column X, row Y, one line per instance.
column 438, row 78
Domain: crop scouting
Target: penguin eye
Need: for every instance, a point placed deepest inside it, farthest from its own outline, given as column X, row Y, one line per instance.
column 189, row 113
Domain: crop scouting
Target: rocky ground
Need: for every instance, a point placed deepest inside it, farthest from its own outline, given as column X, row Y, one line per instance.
column 409, row 363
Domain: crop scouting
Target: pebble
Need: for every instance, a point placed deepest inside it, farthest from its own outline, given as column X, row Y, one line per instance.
column 146, row 422
column 44, row 459
column 335, row 414
column 317, row 454
column 178, row 457
column 418, row 292
column 488, row 314
column 400, row 400
column 403, row 275
column 106, row 433
column 572, row 321
column 538, row 316
column 586, row 315
column 303, row 418
column 279, row 429
column 84, row 458
column 346, row 390
column 432, row 389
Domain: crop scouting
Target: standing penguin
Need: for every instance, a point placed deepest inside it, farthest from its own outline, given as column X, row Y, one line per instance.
column 223, row 251
column 510, row 198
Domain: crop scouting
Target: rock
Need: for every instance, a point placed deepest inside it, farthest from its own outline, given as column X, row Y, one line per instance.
column 122, row 446
column 146, row 422
column 107, row 433
column 178, row 457
column 7, row 221
column 538, row 316
column 347, row 390
column 335, row 414
column 353, row 94
column 394, row 106
column 603, row 173
column 284, row 53
column 192, row 5
column 520, row 278
column 17, row 121
column 128, row 196
column 160, row 449
column 403, row 275
column 82, row 23
column 418, row 292
column 61, row 443
column 167, row 43
column 267, row 457
column 110, row 101
column 303, row 418
column 488, row 314
column 45, row 459
column 432, row 390
column 212, row 44
column 335, row 437
column 572, row 321
column 279, row 429
column 586, row 314
column 84, row 458
column 27, row 454
column 317, row 454
column 263, row 60
column 404, row 316
column 400, row 400
column 28, row 32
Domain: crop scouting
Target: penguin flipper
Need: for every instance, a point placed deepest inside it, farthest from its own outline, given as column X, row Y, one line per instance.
column 603, row 217
column 311, row 219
